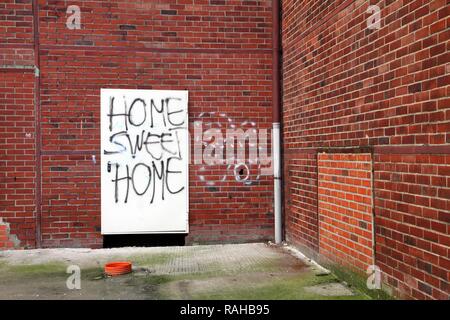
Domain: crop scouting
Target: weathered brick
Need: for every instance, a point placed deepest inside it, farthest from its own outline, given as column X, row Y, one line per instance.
column 386, row 89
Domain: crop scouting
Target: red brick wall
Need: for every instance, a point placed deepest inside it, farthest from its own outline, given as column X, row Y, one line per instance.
column 17, row 143
column 413, row 222
column 346, row 86
column 218, row 50
column 300, row 194
column 17, row 124
column 16, row 28
column 7, row 242
column 346, row 209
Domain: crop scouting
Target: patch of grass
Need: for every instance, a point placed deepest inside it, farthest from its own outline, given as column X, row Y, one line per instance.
column 38, row 269
column 45, row 271
column 92, row 274
column 3, row 264
column 146, row 260
column 157, row 280
column 26, row 273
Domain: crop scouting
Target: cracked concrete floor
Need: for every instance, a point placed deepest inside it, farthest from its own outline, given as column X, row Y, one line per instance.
column 235, row 271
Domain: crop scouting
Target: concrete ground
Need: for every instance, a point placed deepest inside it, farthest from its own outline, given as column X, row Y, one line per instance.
column 243, row 271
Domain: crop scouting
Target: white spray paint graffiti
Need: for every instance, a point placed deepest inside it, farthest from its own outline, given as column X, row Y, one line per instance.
column 209, row 129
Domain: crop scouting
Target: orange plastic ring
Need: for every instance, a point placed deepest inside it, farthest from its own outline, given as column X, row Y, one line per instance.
column 117, row 268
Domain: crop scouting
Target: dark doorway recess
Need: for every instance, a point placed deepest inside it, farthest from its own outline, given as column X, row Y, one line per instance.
column 143, row 240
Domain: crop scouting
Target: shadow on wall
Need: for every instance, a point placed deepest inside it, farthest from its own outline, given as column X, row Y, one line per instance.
column 143, row 240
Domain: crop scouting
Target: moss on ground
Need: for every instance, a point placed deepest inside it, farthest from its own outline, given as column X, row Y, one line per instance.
column 359, row 282
column 271, row 279
column 92, row 274
column 158, row 280
column 21, row 272
column 150, row 259
column 283, row 288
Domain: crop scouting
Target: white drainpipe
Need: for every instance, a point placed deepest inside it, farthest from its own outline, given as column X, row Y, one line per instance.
column 276, row 154
column 276, row 116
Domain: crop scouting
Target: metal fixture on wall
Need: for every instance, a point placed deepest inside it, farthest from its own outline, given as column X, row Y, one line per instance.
column 37, row 116
column 276, row 127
